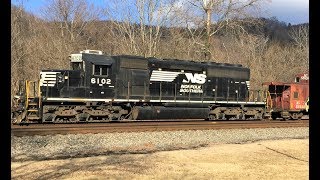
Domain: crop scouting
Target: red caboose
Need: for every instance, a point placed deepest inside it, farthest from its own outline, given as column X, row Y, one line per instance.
column 288, row 100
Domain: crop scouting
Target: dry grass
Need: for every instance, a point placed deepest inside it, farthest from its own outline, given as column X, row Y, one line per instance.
column 277, row 159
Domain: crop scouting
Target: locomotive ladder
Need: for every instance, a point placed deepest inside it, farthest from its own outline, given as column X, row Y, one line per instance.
column 33, row 101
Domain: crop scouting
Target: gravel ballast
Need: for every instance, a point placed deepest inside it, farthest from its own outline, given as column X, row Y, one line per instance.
column 84, row 145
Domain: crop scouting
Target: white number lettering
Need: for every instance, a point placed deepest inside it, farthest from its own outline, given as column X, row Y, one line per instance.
column 93, row 80
column 100, row 81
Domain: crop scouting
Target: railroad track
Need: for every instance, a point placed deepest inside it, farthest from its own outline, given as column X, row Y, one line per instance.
column 143, row 126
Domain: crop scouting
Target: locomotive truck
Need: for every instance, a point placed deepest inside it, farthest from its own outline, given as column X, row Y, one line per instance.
column 103, row 88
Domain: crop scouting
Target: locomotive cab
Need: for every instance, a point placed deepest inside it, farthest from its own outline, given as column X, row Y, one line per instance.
column 89, row 77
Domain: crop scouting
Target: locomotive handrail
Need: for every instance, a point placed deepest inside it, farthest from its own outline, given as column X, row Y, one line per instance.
column 39, row 94
column 27, row 94
column 128, row 95
column 268, row 100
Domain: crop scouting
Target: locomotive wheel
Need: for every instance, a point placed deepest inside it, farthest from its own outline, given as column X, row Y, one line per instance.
column 83, row 117
column 48, row 117
column 296, row 116
column 121, row 118
column 258, row 116
column 213, row 117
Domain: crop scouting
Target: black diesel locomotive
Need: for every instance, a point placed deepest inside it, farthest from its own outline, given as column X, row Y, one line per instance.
column 107, row 88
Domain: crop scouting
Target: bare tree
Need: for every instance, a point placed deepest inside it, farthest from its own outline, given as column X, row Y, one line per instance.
column 64, row 29
column 268, row 60
column 19, row 30
column 300, row 36
column 223, row 14
column 139, row 24
column 20, row 45
column 72, row 16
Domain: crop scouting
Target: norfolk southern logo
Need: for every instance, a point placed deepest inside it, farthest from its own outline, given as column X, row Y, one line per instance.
column 192, row 83
column 196, row 78
column 170, row 76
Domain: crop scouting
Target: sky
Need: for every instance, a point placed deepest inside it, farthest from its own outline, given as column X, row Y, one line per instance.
column 288, row 11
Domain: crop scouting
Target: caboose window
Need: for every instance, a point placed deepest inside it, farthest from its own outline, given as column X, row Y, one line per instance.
column 295, row 95
column 101, row 70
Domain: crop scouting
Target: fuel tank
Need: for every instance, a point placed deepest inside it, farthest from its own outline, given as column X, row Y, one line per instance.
column 160, row 112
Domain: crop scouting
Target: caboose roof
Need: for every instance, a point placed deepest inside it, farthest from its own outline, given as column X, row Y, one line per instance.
column 274, row 83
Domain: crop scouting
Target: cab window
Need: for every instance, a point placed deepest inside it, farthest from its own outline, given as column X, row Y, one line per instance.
column 76, row 65
column 101, row 70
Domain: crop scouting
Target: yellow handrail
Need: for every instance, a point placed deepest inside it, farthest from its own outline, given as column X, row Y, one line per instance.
column 27, row 94
column 268, row 100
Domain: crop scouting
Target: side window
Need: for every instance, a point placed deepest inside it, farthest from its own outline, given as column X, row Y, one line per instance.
column 101, row 70
column 76, row 66
column 295, row 95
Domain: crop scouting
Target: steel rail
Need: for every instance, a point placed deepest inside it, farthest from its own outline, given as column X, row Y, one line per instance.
column 52, row 129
